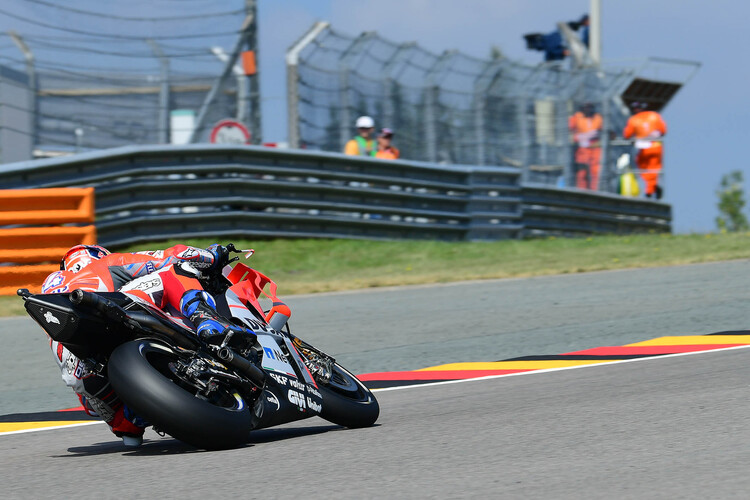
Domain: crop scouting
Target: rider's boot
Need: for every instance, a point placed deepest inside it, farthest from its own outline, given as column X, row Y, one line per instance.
column 200, row 308
column 128, row 426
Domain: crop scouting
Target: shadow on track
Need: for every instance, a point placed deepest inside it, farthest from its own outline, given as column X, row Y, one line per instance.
column 279, row 434
column 169, row 446
column 150, row 447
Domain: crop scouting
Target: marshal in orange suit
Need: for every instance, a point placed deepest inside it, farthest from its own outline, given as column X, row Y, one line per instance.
column 586, row 127
column 647, row 127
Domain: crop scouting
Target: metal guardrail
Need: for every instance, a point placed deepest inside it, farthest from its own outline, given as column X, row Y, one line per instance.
column 548, row 211
column 157, row 192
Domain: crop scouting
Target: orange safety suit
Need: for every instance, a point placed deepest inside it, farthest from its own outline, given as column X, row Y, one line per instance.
column 389, row 153
column 647, row 127
column 585, row 132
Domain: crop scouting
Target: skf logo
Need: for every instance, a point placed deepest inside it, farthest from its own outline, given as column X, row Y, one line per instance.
column 50, row 318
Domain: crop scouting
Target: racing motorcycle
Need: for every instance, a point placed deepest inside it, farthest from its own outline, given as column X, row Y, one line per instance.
column 210, row 396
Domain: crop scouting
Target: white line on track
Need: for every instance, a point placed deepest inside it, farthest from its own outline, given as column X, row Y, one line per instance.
column 24, row 431
column 547, row 370
column 489, row 377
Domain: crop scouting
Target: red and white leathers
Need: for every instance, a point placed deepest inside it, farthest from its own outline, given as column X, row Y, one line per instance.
column 129, row 273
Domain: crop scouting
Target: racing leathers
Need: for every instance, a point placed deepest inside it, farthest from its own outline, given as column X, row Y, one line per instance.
column 161, row 277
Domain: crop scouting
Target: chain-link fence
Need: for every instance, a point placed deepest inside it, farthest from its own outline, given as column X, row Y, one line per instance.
column 451, row 107
column 103, row 77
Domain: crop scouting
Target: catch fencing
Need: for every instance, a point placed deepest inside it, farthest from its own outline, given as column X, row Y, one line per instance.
column 99, row 79
column 152, row 193
column 452, row 108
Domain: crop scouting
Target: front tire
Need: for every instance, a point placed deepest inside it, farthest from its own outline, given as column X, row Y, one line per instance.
column 140, row 374
column 347, row 402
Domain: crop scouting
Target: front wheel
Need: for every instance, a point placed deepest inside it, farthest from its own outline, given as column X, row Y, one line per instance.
column 346, row 401
column 143, row 375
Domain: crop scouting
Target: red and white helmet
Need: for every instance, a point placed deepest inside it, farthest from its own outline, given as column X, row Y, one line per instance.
column 81, row 256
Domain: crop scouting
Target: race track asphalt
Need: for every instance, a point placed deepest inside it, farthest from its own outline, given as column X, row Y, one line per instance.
column 656, row 428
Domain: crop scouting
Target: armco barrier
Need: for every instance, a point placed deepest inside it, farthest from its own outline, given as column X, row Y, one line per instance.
column 157, row 192
column 29, row 254
column 551, row 211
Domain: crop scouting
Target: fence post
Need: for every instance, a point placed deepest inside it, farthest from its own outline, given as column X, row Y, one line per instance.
column 351, row 51
column 432, row 94
column 605, row 177
column 523, row 125
column 292, row 81
column 244, row 32
column 389, row 106
column 28, row 55
column 163, row 120
column 481, row 89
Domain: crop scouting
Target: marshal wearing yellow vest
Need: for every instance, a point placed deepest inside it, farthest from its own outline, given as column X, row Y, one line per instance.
column 363, row 144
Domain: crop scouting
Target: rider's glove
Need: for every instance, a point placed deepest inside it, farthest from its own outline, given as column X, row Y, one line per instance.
column 220, row 255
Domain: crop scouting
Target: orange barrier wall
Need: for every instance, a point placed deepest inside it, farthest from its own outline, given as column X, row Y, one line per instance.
column 29, row 254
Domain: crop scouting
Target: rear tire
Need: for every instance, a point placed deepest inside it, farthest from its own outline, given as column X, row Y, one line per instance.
column 139, row 372
column 347, row 402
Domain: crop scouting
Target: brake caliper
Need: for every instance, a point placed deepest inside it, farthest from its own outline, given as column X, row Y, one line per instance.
column 320, row 366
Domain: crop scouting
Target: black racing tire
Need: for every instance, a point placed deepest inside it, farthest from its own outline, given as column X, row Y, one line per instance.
column 137, row 374
column 347, row 402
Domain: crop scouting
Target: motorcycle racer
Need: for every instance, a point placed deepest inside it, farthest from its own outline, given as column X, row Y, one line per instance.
column 167, row 279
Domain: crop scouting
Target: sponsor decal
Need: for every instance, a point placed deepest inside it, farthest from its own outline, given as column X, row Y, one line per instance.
column 50, row 318
column 271, row 398
column 71, row 363
column 312, row 390
column 316, row 407
column 144, row 285
column 296, row 398
column 188, row 254
column 54, row 280
column 150, row 267
column 274, row 354
column 80, row 370
column 256, row 326
column 297, row 384
column 157, row 254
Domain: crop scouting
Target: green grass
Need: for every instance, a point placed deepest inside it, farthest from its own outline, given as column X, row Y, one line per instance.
column 309, row 266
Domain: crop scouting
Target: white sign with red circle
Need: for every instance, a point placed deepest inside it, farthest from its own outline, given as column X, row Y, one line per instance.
column 230, row 132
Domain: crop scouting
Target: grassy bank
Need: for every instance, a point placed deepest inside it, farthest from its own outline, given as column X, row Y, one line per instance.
column 307, row 266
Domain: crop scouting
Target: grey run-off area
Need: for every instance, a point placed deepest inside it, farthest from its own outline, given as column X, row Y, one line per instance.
column 414, row 327
column 656, row 428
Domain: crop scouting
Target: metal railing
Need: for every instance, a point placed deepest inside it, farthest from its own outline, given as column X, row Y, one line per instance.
column 452, row 108
column 548, row 211
column 148, row 193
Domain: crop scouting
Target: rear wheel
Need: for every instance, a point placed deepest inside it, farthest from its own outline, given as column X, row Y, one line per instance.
column 143, row 374
column 346, row 401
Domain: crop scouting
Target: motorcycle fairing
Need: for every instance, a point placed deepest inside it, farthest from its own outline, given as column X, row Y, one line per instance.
column 273, row 358
column 298, row 358
column 249, row 285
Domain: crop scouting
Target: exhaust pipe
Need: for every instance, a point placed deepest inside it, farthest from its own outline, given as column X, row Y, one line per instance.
column 234, row 360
